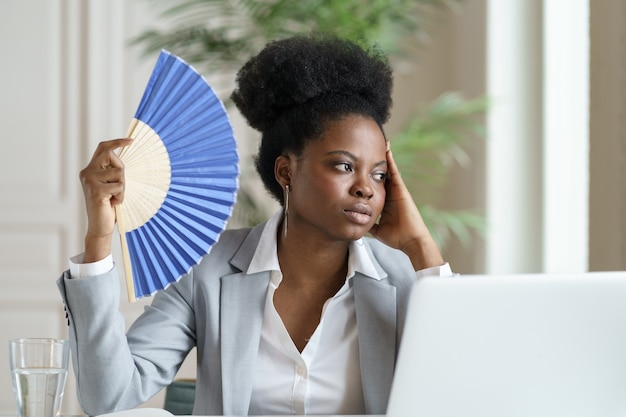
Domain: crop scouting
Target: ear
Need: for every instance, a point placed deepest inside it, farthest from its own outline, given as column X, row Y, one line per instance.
column 282, row 170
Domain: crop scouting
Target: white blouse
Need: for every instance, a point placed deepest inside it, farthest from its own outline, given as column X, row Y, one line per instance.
column 326, row 377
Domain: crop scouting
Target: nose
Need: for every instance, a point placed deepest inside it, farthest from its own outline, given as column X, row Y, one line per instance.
column 362, row 188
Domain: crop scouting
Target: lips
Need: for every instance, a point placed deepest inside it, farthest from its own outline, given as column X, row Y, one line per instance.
column 359, row 213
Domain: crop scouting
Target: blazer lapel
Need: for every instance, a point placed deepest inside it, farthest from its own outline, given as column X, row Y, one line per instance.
column 242, row 307
column 375, row 303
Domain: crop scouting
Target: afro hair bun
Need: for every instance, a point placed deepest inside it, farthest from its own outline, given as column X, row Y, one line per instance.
column 289, row 72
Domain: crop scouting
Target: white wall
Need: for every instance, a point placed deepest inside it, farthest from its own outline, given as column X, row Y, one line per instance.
column 68, row 81
column 554, row 196
column 41, row 147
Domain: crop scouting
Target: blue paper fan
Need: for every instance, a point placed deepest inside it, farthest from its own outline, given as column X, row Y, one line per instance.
column 181, row 171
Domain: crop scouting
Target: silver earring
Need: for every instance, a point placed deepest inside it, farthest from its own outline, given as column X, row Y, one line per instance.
column 286, row 210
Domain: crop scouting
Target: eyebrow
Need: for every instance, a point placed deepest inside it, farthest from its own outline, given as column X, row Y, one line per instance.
column 354, row 157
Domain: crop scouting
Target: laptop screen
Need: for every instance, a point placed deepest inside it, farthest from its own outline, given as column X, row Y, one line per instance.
column 514, row 345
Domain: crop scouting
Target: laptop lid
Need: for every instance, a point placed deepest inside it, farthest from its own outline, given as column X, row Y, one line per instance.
column 517, row 345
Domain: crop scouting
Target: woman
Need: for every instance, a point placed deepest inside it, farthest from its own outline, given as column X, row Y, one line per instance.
column 301, row 314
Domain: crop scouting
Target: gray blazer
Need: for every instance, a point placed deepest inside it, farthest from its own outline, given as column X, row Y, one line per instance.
column 217, row 308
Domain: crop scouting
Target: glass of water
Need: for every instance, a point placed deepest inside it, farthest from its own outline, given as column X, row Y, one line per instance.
column 38, row 370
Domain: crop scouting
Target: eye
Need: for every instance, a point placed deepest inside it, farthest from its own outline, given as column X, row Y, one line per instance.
column 379, row 176
column 344, row 166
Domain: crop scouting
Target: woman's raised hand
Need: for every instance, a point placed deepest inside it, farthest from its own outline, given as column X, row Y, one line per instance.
column 401, row 225
column 103, row 188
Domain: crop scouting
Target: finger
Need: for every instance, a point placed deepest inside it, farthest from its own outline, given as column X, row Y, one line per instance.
column 117, row 194
column 102, row 189
column 103, row 184
column 111, row 175
column 96, row 174
column 105, row 165
column 394, row 176
column 105, row 156
column 110, row 193
column 392, row 167
column 113, row 144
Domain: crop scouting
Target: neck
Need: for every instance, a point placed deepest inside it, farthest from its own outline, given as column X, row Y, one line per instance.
column 308, row 262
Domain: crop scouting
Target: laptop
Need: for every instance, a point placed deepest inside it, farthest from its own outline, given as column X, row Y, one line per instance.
column 514, row 345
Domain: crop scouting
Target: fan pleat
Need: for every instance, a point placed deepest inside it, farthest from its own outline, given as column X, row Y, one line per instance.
column 219, row 195
column 203, row 231
column 146, row 259
column 199, row 124
column 208, row 215
column 214, row 212
column 172, row 253
column 166, row 230
column 173, row 83
column 162, row 118
column 194, row 169
column 179, row 255
column 149, row 259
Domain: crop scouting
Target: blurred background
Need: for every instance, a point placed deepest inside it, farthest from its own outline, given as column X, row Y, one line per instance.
column 508, row 122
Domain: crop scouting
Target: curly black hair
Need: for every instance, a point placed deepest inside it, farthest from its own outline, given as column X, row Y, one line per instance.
column 295, row 86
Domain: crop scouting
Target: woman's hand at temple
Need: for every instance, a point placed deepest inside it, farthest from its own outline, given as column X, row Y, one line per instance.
column 401, row 225
column 103, row 188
